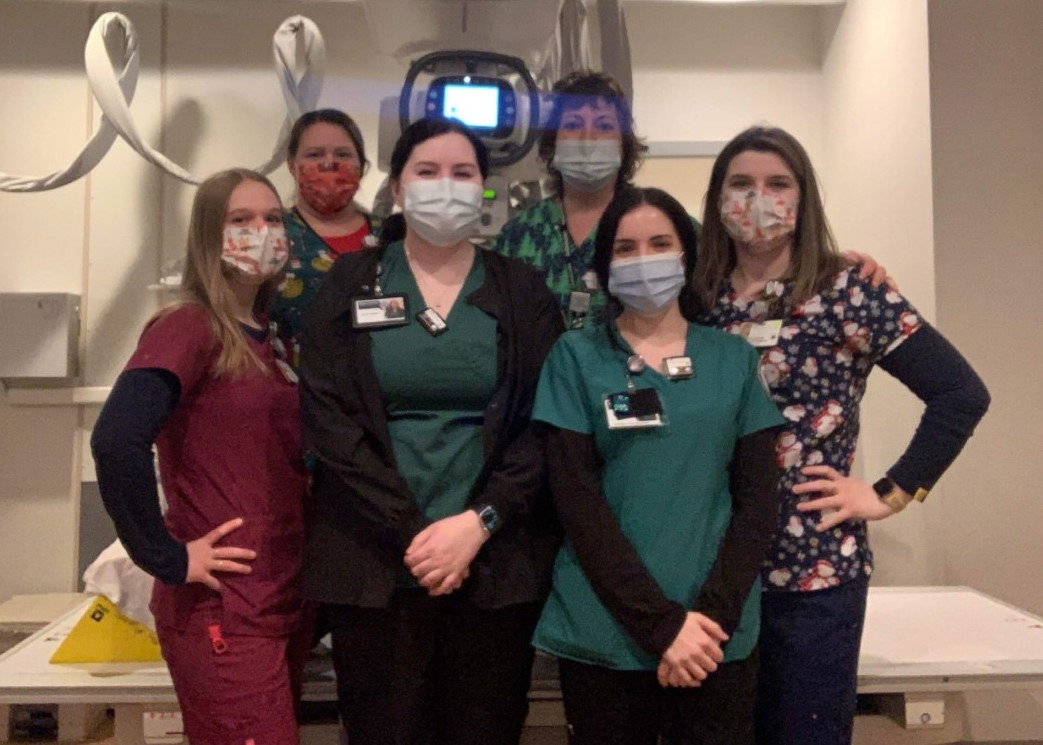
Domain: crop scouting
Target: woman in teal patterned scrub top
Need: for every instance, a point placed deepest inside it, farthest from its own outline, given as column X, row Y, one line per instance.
column 327, row 159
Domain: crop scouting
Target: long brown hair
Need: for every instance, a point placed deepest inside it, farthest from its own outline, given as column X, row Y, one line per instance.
column 814, row 260
column 206, row 276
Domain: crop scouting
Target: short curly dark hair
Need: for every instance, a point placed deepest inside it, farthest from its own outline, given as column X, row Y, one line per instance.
column 573, row 91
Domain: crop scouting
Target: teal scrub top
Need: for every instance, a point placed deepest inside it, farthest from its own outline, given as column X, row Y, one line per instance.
column 436, row 389
column 667, row 486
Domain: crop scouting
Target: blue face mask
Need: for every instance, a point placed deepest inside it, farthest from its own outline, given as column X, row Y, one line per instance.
column 646, row 284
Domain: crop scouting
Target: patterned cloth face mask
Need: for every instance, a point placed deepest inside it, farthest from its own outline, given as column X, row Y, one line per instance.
column 328, row 187
column 588, row 165
column 256, row 252
column 750, row 217
column 443, row 211
column 646, row 284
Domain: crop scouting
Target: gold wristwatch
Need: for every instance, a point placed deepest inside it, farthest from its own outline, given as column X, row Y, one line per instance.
column 892, row 495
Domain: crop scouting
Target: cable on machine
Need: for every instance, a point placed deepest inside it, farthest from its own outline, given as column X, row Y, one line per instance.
column 111, row 60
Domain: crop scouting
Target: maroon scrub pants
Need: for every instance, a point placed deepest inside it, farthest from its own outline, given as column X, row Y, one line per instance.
column 239, row 692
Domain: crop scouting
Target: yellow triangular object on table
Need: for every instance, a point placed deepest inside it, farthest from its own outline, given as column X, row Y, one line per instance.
column 106, row 635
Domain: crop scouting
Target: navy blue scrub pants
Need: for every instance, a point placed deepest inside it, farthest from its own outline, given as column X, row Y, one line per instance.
column 809, row 665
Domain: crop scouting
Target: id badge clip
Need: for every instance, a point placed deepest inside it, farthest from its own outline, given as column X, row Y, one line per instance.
column 678, row 368
column 379, row 311
column 634, row 409
column 433, row 323
column 764, row 334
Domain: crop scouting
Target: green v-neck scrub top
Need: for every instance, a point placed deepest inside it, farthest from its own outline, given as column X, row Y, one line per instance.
column 436, row 389
column 667, row 486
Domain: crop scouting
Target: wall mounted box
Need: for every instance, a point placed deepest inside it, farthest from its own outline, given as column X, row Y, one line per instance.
column 39, row 337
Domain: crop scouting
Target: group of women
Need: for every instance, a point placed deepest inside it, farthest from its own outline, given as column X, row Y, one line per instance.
column 407, row 444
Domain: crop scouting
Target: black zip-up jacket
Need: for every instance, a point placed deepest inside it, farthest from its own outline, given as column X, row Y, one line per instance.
column 362, row 516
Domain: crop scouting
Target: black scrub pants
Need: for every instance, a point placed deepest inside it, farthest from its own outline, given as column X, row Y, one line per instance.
column 625, row 707
column 432, row 671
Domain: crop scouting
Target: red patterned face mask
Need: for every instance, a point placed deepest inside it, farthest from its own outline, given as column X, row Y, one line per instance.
column 328, row 187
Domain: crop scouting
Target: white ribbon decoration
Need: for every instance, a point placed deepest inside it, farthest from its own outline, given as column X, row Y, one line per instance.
column 112, row 82
column 300, row 95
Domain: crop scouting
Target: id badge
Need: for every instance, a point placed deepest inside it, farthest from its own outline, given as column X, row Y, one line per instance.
column 379, row 311
column 678, row 368
column 765, row 334
column 433, row 323
column 634, row 409
column 579, row 302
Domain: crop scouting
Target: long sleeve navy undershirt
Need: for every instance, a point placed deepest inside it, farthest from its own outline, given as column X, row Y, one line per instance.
column 955, row 397
column 136, row 409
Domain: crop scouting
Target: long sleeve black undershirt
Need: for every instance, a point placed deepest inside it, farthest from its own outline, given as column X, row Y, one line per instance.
column 619, row 577
column 955, row 397
column 133, row 415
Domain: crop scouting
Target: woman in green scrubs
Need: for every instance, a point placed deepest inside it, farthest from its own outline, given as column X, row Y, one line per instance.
column 418, row 373
column 663, row 472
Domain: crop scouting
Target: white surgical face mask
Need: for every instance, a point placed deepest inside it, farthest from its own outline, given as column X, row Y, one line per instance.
column 588, row 165
column 752, row 217
column 646, row 284
column 442, row 211
column 256, row 252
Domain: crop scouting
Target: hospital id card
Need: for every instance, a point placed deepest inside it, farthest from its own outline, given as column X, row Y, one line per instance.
column 634, row 409
column 379, row 311
column 765, row 334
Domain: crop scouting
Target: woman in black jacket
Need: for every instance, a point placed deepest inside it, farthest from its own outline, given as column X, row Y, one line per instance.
column 428, row 536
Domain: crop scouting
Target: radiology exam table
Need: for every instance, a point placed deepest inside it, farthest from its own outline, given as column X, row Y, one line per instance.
column 919, row 642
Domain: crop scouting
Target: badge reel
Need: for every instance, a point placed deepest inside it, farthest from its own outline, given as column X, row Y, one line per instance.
column 634, row 408
column 378, row 310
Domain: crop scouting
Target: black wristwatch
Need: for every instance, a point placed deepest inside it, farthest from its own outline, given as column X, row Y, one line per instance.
column 489, row 516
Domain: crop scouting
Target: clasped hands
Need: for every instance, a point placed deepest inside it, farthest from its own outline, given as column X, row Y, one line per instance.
column 694, row 654
column 440, row 555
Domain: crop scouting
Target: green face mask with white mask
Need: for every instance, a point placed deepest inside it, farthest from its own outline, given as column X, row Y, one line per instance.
column 588, row 165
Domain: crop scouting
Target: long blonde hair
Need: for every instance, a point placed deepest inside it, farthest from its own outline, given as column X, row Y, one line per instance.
column 814, row 260
column 206, row 276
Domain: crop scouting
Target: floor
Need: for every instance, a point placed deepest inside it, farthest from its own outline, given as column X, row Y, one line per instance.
column 324, row 734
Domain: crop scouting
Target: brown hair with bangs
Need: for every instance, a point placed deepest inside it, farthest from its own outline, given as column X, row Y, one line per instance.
column 814, row 260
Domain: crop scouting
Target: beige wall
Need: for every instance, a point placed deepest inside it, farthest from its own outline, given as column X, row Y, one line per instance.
column 987, row 110
column 43, row 247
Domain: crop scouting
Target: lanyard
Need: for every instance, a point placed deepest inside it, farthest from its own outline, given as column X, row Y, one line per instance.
column 635, row 363
column 566, row 245
column 579, row 298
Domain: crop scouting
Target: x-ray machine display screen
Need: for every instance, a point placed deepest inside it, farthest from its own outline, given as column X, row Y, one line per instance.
column 474, row 105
